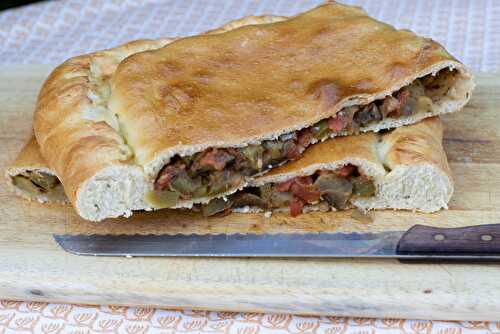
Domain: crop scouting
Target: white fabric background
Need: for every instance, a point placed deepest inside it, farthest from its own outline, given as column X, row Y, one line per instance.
column 53, row 31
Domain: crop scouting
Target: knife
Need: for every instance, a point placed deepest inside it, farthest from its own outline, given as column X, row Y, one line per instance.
column 419, row 242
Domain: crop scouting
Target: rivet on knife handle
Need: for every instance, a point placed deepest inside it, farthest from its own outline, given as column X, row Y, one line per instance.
column 471, row 240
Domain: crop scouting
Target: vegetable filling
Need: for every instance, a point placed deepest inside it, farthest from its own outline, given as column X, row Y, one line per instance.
column 324, row 188
column 217, row 170
column 35, row 182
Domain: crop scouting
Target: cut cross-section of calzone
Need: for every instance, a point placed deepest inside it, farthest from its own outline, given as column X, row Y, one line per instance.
column 204, row 116
column 31, row 178
column 402, row 169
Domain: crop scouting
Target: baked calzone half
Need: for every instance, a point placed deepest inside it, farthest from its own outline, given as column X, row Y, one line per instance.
column 198, row 118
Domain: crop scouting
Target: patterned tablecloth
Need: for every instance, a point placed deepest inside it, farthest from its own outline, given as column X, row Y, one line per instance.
column 51, row 32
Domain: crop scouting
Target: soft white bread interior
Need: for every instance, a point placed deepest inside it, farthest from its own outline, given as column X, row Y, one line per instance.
column 419, row 177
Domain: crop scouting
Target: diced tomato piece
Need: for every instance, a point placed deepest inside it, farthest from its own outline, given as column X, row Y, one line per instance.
column 303, row 180
column 215, row 158
column 336, row 123
column 300, row 187
column 308, row 193
column 403, row 95
column 167, row 174
column 292, row 151
column 345, row 171
column 284, row 186
column 296, row 206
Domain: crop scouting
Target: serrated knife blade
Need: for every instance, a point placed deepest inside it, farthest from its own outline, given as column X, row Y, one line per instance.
column 419, row 242
column 233, row 245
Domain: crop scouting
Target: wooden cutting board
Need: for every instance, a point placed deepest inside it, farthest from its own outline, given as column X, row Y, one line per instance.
column 33, row 267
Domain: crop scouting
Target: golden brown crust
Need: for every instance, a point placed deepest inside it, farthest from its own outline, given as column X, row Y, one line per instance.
column 30, row 160
column 29, row 157
column 74, row 146
column 417, row 144
column 260, row 80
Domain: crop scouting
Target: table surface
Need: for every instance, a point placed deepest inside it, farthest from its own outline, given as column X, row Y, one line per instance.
column 53, row 31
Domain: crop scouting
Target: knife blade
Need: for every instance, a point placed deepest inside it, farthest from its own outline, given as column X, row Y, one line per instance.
column 419, row 242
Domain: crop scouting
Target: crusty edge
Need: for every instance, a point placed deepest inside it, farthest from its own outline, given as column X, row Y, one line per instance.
column 74, row 78
column 29, row 160
column 61, row 117
column 420, row 177
column 11, row 172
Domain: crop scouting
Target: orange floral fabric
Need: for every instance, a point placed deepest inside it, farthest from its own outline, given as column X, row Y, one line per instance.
column 36, row 317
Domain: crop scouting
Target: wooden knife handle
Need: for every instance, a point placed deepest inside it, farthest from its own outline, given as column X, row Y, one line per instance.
column 470, row 240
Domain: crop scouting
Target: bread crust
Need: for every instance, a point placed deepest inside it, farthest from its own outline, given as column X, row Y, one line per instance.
column 75, row 145
column 77, row 134
column 30, row 160
column 86, row 140
column 261, row 80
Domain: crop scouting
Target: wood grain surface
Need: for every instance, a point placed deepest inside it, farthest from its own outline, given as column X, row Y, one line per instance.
column 32, row 267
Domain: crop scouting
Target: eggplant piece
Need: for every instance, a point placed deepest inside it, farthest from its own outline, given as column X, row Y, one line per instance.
column 185, row 185
column 273, row 198
column 215, row 206
column 222, row 181
column 247, row 199
column 417, row 101
column 253, row 155
column 280, row 199
column 424, row 104
column 266, row 191
column 202, row 191
column 362, row 186
column 416, row 88
column 26, row 184
column 167, row 198
column 44, row 180
column 335, row 190
column 290, row 150
column 273, row 149
column 188, row 160
column 367, row 115
column 320, row 129
column 409, row 107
